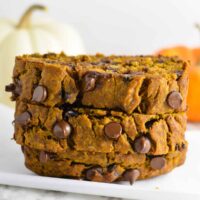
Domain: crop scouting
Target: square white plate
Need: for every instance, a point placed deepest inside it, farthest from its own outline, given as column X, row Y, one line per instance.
column 182, row 183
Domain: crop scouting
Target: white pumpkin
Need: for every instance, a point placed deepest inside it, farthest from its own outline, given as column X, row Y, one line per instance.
column 27, row 37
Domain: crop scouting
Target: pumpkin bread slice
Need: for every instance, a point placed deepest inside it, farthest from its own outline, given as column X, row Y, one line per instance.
column 101, row 167
column 143, row 84
column 94, row 130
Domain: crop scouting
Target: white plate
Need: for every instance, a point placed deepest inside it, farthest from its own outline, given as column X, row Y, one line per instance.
column 182, row 183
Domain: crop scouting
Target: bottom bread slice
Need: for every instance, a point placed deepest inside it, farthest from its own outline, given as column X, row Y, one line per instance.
column 89, row 166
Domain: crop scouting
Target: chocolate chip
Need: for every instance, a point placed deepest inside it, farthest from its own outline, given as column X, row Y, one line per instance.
column 113, row 130
column 94, row 172
column 131, row 175
column 15, row 88
column 177, row 147
column 10, row 87
column 105, row 60
column 23, row 119
column 130, row 75
column 158, row 162
column 174, row 100
column 149, row 123
column 111, row 174
column 142, row 145
column 127, row 77
column 47, row 55
column 183, row 146
column 61, row 129
column 43, row 157
column 180, row 147
column 145, row 69
column 39, row 94
column 89, row 82
column 85, row 58
column 70, row 113
column 111, row 167
column 49, row 137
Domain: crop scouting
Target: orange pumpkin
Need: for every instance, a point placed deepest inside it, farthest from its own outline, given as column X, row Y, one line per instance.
column 192, row 54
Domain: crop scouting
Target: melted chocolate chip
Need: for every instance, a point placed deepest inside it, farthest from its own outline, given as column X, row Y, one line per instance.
column 183, row 146
column 129, row 76
column 177, row 147
column 111, row 174
column 10, row 87
column 131, row 175
column 105, row 60
column 47, row 55
column 111, row 167
column 89, row 82
column 93, row 172
column 39, row 94
column 142, row 145
column 15, row 88
column 145, row 69
column 174, row 100
column 61, row 129
column 150, row 123
column 113, row 130
column 23, row 119
column 70, row 113
column 158, row 162
column 43, row 157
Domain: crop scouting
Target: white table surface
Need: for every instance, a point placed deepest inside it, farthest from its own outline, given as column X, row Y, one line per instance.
column 18, row 193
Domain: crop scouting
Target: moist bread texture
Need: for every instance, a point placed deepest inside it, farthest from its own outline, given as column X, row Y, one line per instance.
column 100, row 118
column 144, row 84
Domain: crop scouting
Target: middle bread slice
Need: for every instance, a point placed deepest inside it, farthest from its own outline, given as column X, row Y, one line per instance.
column 93, row 130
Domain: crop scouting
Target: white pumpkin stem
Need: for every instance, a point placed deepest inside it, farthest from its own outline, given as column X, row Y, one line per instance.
column 197, row 26
column 24, row 21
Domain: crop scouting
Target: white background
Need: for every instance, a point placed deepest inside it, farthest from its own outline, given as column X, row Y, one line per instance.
column 122, row 26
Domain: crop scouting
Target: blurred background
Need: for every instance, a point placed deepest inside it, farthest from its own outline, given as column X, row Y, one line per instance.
column 121, row 26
